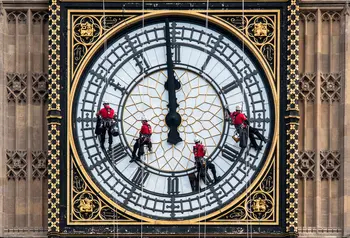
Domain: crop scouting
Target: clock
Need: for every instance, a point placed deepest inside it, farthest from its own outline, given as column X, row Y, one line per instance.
column 180, row 74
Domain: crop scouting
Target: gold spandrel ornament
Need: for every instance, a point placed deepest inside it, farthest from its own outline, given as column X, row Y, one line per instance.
column 88, row 29
column 87, row 206
column 258, row 206
column 260, row 30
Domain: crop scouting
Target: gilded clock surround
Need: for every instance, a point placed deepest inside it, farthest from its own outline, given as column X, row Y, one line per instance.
column 72, row 87
column 259, row 29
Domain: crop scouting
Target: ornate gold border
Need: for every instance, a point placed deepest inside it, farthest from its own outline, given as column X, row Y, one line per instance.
column 178, row 1
column 150, row 14
column 54, row 119
column 292, row 117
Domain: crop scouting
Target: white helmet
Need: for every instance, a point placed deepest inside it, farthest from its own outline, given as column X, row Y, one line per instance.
column 238, row 108
column 197, row 140
column 144, row 119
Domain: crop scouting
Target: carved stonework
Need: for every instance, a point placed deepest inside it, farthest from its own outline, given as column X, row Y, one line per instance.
column 16, row 16
column 39, row 164
column 330, row 16
column 307, row 16
column 40, row 87
column 307, row 87
column 306, row 164
column 16, row 164
column 330, row 165
column 40, row 17
column 16, row 87
column 330, row 87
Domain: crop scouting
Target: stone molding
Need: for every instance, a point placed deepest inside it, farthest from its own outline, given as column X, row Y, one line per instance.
column 16, row 87
column 39, row 165
column 16, row 164
column 330, row 165
column 307, row 166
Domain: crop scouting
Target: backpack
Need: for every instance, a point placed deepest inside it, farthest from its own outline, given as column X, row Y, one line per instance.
column 149, row 128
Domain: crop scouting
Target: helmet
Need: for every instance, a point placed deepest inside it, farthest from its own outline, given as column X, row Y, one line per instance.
column 197, row 140
column 144, row 119
column 238, row 108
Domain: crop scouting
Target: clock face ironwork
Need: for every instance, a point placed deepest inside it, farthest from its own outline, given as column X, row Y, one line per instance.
column 130, row 74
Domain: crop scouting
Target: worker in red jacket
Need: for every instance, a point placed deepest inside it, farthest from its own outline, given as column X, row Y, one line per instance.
column 241, row 123
column 201, row 163
column 144, row 139
column 107, row 117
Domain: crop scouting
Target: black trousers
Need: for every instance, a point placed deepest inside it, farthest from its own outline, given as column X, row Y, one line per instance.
column 253, row 131
column 103, row 135
column 202, row 170
column 138, row 146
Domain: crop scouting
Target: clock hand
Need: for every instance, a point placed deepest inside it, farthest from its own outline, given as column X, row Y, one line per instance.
column 173, row 118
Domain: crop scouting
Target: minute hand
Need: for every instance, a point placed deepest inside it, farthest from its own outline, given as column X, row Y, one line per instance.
column 172, row 119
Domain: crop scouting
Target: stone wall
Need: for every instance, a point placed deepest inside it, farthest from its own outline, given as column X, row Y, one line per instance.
column 321, row 131
column 24, row 40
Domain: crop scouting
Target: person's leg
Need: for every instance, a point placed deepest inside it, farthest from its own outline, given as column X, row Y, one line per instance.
column 136, row 147
column 253, row 141
column 258, row 134
column 211, row 166
column 103, row 137
column 149, row 145
column 110, row 138
column 198, row 175
column 141, row 147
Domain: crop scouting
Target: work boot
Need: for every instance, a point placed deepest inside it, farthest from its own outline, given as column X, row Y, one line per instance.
column 257, row 147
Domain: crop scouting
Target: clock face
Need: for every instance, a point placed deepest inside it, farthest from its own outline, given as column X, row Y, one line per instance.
column 130, row 74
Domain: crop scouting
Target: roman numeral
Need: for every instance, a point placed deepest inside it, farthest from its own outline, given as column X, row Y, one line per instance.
column 140, row 177
column 229, row 87
column 98, row 75
column 247, row 76
column 228, row 152
column 117, row 86
column 118, row 153
column 139, row 63
column 193, row 181
column 173, row 185
column 177, row 54
column 212, row 51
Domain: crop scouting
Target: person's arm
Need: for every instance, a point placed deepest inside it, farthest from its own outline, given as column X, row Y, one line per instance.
column 228, row 112
column 98, row 113
column 246, row 121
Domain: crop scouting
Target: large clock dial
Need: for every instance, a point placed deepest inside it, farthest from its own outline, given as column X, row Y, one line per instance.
column 131, row 74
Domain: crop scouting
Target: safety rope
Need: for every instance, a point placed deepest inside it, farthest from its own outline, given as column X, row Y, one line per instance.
column 206, row 164
column 143, row 112
column 247, row 184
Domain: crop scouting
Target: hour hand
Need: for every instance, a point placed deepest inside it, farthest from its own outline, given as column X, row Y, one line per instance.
column 173, row 120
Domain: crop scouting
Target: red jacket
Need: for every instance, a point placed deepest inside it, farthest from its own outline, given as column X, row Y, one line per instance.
column 199, row 150
column 238, row 118
column 146, row 129
column 106, row 113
